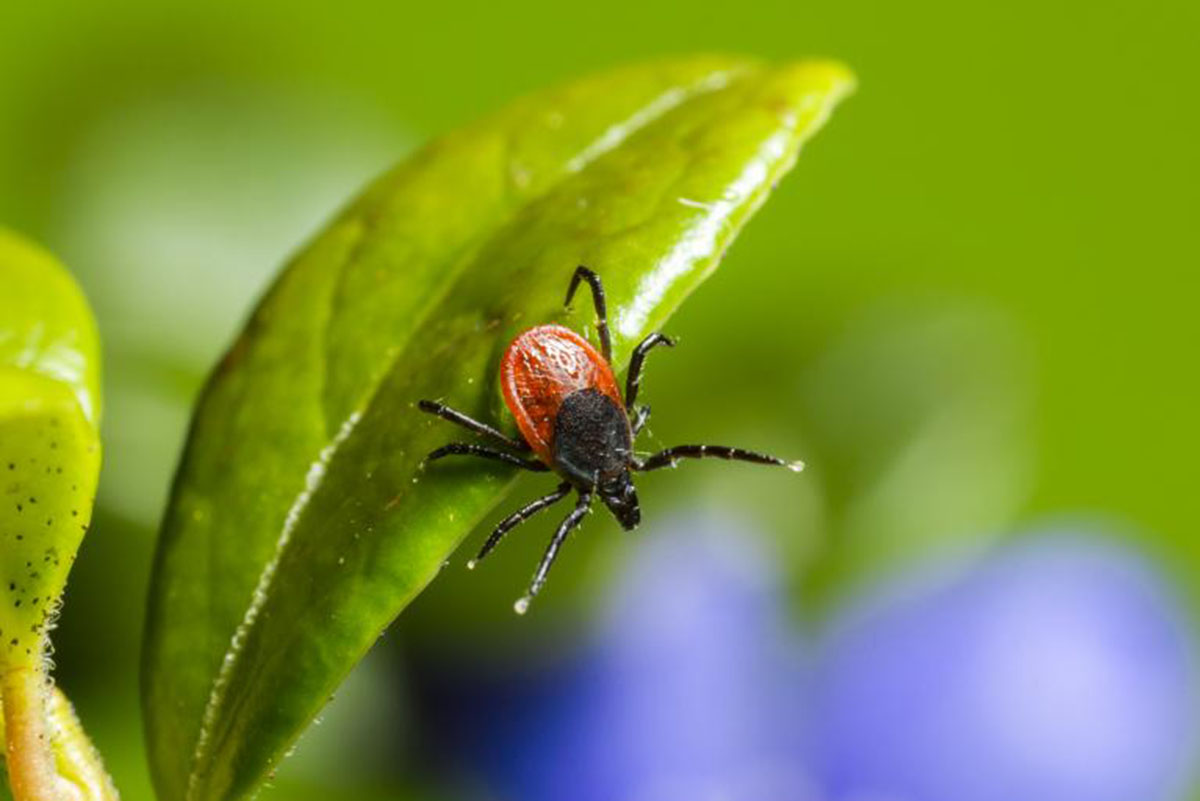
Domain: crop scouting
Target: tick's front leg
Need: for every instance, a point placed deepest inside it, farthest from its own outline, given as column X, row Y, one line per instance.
column 471, row 424
column 470, row 449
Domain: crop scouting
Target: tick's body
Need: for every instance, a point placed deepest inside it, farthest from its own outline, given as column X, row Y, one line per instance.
column 569, row 410
column 541, row 371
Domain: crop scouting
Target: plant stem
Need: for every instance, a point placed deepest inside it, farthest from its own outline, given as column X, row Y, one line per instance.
column 49, row 756
column 32, row 774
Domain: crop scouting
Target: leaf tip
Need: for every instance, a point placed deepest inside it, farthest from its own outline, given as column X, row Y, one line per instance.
column 834, row 76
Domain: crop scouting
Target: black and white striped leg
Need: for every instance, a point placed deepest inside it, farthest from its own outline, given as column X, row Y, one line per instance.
column 634, row 379
column 471, row 424
column 564, row 528
column 671, row 456
column 584, row 274
column 640, row 418
column 517, row 518
column 470, row 449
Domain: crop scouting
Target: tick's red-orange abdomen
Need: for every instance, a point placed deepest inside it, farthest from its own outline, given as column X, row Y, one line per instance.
column 539, row 370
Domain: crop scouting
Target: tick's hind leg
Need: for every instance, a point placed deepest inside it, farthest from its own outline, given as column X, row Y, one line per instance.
column 517, row 518
column 634, row 379
column 470, row 449
column 671, row 456
column 471, row 424
column 584, row 274
column 564, row 528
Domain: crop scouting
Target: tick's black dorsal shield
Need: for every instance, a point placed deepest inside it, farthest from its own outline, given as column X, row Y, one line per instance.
column 592, row 450
column 592, row 439
column 593, row 446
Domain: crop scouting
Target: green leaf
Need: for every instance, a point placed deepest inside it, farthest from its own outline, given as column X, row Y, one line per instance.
column 49, row 463
column 301, row 522
column 49, row 442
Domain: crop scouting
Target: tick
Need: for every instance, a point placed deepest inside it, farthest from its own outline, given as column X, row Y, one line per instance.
column 574, row 422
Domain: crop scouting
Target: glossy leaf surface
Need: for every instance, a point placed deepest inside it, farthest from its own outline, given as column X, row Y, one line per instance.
column 302, row 521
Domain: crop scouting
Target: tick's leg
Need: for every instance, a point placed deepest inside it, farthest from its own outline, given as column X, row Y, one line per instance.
column 564, row 528
column 517, row 518
column 671, row 456
column 446, row 413
column 469, row 449
column 584, row 274
column 640, row 418
column 635, row 365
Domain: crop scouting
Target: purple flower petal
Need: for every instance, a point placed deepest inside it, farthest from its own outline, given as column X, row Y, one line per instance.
column 1060, row 671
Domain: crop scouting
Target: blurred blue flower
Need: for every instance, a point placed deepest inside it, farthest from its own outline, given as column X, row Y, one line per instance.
column 690, row 688
column 695, row 691
column 1058, row 670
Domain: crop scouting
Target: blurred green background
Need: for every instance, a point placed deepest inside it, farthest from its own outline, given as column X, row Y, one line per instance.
column 972, row 305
